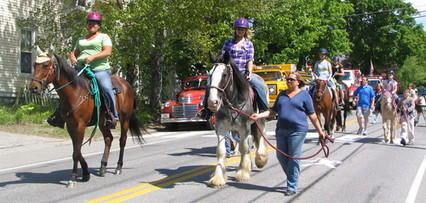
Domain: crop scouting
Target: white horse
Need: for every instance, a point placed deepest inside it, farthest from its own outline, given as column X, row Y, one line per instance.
column 230, row 89
column 389, row 117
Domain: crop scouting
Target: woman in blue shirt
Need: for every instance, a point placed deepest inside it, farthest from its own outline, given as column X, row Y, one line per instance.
column 293, row 107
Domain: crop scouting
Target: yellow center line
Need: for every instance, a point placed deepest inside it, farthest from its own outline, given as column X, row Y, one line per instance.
column 158, row 184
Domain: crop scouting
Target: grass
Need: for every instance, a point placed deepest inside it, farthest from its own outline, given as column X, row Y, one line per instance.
column 30, row 119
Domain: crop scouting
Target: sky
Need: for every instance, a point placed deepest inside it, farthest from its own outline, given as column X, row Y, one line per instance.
column 420, row 5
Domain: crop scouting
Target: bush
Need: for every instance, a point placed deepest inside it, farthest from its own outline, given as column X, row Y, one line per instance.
column 29, row 113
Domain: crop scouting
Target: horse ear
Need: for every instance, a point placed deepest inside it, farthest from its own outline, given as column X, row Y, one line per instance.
column 226, row 57
column 212, row 58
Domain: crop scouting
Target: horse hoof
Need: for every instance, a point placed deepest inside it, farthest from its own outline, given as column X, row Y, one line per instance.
column 117, row 172
column 86, row 178
column 71, row 184
column 102, row 172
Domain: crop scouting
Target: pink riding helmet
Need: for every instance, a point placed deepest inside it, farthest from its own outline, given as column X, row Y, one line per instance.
column 94, row 16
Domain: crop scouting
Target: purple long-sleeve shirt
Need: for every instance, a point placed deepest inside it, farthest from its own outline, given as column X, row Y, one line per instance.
column 241, row 55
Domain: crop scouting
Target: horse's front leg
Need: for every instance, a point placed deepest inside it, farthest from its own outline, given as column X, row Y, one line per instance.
column 243, row 173
column 218, row 178
column 77, row 135
column 385, row 130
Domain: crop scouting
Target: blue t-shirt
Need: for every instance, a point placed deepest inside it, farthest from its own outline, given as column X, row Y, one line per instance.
column 365, row 95
column 293, row 112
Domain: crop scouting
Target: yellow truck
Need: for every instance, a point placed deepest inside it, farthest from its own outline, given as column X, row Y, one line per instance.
column 274, row 76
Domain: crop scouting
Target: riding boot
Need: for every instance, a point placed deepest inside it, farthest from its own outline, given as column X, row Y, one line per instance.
column 110, row 121
column 56, row 120
column 336, row 99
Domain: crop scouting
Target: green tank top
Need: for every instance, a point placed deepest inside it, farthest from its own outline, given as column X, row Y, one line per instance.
column 92, row 47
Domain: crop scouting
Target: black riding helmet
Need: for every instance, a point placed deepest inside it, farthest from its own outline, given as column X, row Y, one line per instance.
column 323, row 51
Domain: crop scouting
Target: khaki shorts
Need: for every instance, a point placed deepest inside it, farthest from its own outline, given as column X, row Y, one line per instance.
column 362, row 112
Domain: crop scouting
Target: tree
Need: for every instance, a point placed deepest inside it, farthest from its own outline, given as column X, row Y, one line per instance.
column 383, row 31
column 294, row 29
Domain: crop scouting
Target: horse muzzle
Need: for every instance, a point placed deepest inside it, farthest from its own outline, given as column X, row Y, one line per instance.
column 36, row 88
column 213, row 105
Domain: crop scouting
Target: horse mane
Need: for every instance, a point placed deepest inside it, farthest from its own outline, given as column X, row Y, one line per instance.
column 239, row 81
column 70, row 72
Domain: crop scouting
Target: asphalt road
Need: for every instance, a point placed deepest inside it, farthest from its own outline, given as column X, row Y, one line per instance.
column 175, row 167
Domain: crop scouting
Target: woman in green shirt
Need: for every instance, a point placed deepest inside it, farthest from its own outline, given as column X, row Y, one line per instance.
column 94, row 49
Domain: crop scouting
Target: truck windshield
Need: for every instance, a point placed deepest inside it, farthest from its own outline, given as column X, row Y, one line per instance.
column 270, row 76
column 348, row 76
column 200, row 83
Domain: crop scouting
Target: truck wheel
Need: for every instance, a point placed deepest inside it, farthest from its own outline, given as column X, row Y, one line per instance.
column 171, row 126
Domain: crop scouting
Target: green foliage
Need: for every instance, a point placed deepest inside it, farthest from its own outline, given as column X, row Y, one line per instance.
column 156, row 39
column 387, row 34
column 31, row 113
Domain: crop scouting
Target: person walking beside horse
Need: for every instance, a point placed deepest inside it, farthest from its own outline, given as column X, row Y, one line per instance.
column 364, row 99
column 406, row 111
column 293, row 106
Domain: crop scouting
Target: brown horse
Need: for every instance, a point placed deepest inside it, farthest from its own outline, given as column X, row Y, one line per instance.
column 325, row 105
column 78, row 106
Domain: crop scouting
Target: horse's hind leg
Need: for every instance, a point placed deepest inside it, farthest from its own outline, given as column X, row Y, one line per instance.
column 218, row 178
column 123, row 139
column 107, row 140
column 261, row 149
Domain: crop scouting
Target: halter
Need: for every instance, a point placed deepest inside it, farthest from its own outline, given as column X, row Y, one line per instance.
column 222, row 90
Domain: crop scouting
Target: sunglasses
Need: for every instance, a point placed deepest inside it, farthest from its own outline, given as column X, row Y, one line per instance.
column 290, row 79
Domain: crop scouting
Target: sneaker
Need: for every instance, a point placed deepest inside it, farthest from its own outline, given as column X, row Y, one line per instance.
column 410, row 142
column 403, row 142
column 228, row 155
column 360, row 131
column 364, row 132
column 289, row 192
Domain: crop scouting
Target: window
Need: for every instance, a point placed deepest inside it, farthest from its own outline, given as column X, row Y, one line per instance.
column 26, row 50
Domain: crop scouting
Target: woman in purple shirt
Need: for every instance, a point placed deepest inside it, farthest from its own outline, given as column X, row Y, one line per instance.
column 241, row 50
column 293, row 107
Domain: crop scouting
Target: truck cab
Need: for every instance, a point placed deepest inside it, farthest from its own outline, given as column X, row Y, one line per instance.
column 187, row 106
column 274, row 76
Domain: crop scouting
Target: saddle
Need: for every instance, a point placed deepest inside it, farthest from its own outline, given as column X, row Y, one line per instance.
column 105, row 103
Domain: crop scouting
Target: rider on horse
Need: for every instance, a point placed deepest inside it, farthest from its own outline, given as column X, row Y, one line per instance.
column 323, row 71
column 338, row 77
column 390, row 85
column 94, row 49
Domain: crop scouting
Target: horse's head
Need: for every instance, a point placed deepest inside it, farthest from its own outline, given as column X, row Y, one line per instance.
column 387, row 99
column 220, row 78
column 319, row 89
column 44, row 74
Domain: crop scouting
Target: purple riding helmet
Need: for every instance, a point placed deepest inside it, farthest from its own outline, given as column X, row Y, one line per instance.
column 94, row 16
column 336, row 58
column 241, row 23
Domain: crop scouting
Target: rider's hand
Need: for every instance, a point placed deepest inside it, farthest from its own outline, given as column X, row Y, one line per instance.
column 89, row 59
column 74, row 62
column 248, row 77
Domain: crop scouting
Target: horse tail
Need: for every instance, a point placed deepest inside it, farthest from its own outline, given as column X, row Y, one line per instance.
column 135, row 128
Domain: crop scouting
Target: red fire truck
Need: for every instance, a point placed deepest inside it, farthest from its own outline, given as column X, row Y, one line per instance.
column 187, row 106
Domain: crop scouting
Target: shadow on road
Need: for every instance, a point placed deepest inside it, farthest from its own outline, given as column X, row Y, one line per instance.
column 203, row 152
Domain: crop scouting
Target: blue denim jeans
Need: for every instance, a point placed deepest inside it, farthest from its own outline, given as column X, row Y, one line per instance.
column 257, row 83
column 290, row 142
column 228, row 140
column 105, row 83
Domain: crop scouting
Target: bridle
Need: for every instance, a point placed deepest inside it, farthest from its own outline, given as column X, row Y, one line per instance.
column 52, row 69
column 320, row 91
column 222, row 90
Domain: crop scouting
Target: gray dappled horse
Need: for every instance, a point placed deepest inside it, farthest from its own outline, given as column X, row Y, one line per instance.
column 230, row 89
